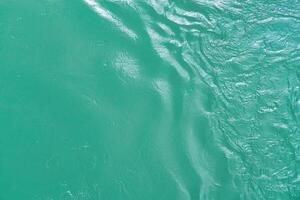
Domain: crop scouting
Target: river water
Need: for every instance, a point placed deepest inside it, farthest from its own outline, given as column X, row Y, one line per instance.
column 146, row 100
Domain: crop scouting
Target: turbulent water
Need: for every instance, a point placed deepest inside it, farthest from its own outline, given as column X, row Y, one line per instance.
column 146, row 100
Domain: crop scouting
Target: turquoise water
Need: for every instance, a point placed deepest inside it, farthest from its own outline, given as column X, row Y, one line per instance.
column 146, row 100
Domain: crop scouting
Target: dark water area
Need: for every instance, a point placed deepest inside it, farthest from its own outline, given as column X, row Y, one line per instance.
column 149, row 100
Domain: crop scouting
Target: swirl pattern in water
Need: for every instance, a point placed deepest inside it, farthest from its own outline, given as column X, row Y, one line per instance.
column 146, row 100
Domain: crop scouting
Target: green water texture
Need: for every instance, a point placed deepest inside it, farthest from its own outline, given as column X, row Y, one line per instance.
column 149, row 100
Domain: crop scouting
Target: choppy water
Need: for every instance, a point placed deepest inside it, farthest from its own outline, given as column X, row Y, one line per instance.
column 187, row 99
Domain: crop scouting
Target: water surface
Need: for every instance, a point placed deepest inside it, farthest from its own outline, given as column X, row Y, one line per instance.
column 145, row 100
